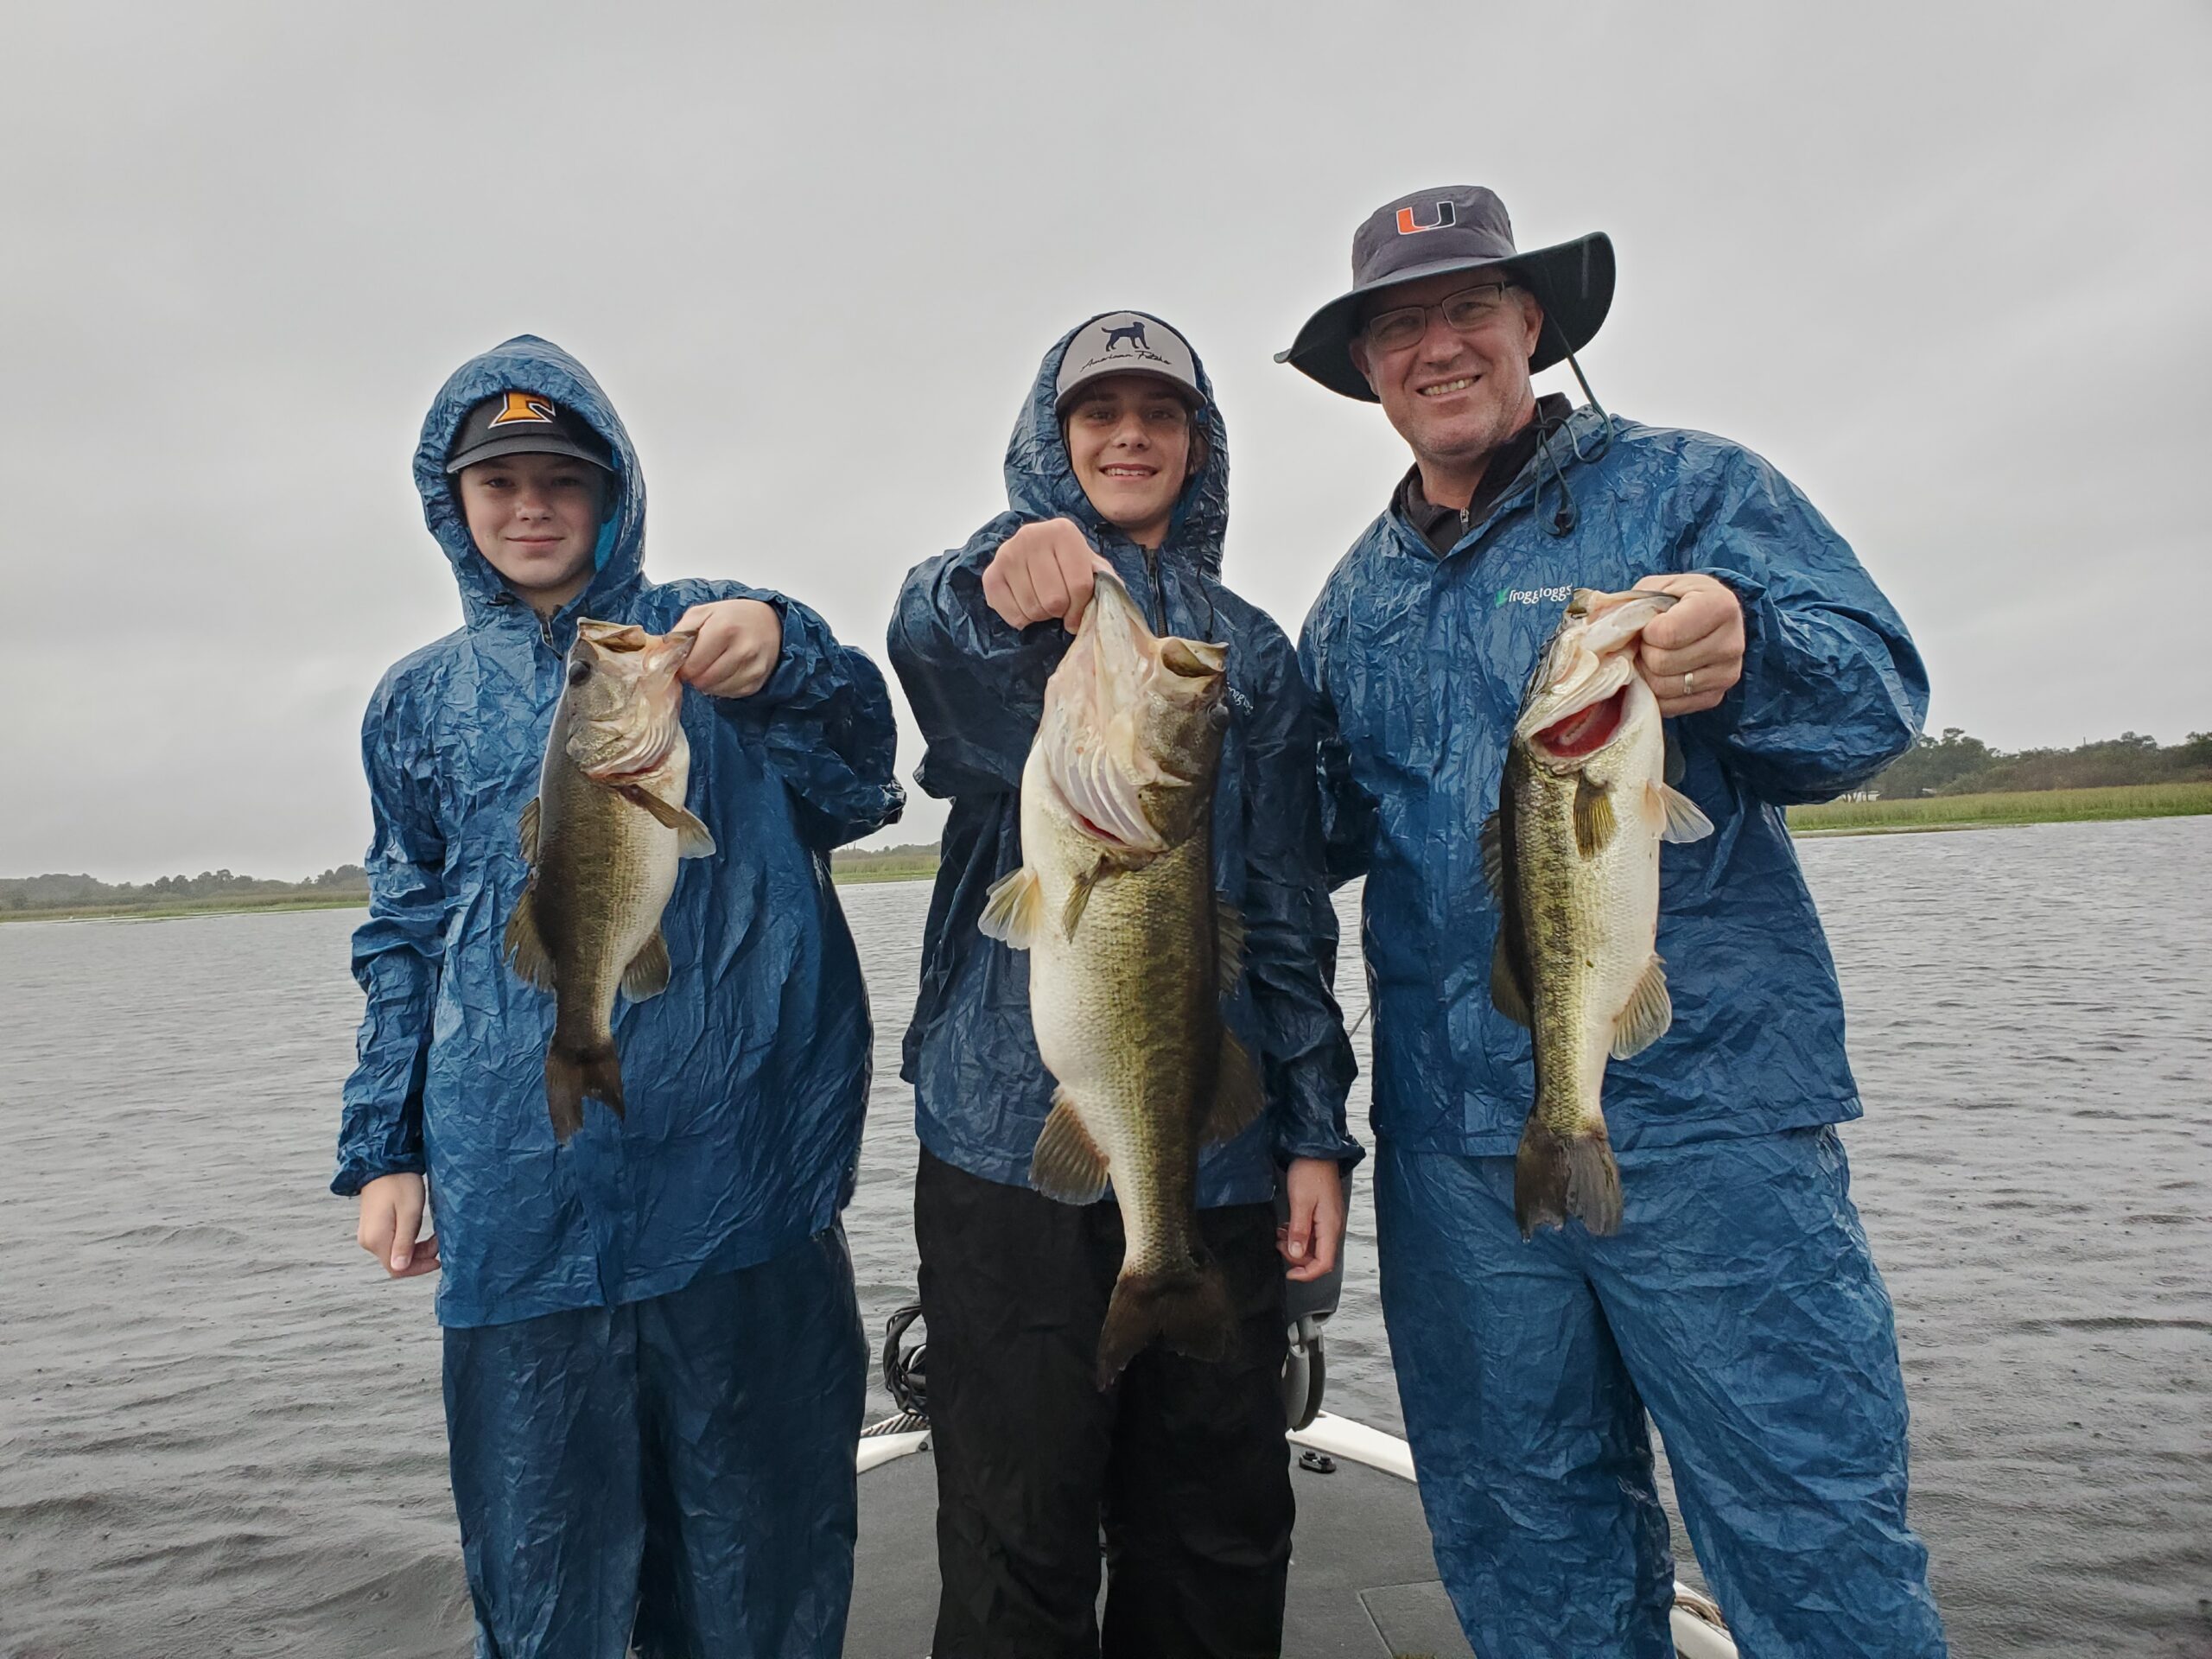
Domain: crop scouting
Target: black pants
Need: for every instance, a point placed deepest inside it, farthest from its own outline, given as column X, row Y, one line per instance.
column 1184, row 1463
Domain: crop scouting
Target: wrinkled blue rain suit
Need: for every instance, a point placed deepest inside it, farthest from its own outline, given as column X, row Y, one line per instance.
column 1739, row 1304
column 654, row 1367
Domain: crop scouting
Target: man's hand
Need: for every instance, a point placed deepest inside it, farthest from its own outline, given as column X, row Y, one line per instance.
column 392, row 1214
column 1693, row 652
column 1043, row 571
column 1316, row 1229
column 740, row 640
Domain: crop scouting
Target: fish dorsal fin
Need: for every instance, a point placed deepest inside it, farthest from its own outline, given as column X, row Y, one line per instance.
column 1067, row 1164
column 648, row 972
column 1079, row 895
column 1507, row 993
column 1236, row 1093
column 1229, row 943
column 1648, row 1013
column 1593, row 816
column 526, row 952
column 1493, row 841
column 1013, row 909
column 692, row 837
column 526, row 831
column 1680, row 818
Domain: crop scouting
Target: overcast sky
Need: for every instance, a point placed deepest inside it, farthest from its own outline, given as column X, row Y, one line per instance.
column 1945, row 265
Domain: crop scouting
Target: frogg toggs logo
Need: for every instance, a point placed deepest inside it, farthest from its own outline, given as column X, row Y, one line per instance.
column 1534, row 595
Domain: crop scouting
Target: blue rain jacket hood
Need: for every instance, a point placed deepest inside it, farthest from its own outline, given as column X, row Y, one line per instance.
column 976, row 686
column 1419, row 664
column 747, row 1078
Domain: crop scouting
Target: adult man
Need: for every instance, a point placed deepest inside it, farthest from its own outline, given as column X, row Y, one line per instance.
column 1119, row 462
column 1737, row 1302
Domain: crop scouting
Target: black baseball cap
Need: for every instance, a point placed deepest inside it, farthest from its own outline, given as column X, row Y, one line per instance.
column 1458, row 227
column 525, row 424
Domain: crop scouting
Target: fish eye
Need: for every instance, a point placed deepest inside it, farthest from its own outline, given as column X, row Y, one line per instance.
column 579, row 671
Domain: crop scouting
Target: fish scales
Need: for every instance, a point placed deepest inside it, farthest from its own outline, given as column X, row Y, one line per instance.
column 1582, row 808
column 603, row 839
column 1131, row 951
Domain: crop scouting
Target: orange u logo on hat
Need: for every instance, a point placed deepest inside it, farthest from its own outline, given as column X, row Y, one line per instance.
column 1445, row 214
column 525, row 406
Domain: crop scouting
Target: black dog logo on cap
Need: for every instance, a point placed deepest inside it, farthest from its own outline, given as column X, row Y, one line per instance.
column 1132, row 331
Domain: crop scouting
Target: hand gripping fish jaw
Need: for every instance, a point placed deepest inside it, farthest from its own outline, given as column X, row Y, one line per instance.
column 1577, row 700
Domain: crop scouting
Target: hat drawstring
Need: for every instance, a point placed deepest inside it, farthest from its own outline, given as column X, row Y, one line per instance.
column 1605, row 434
column 1567, row 515
column 1564, row 516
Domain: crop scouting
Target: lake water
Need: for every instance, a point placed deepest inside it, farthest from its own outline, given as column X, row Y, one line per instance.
column 220, row 1426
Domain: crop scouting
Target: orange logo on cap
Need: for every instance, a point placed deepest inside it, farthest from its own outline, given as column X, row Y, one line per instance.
column 525, row 406
column 1445, row 214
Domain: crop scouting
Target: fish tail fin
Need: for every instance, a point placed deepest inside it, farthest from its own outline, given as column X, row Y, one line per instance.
column 1186, row 1308
column 1556, row 1176
column 574, row 1074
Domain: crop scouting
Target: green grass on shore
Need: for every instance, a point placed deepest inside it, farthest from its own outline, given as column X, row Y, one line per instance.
column 2026, row 806
column 170, row 909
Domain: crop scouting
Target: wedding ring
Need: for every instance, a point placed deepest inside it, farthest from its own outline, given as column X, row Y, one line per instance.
column 1689, row 682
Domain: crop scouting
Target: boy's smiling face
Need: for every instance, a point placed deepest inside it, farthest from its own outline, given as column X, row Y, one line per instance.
column 535, row 519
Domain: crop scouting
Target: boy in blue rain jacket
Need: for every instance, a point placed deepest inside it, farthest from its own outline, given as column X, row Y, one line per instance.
column 1118, row 461
column 1738, row 1303
column 654, row 1371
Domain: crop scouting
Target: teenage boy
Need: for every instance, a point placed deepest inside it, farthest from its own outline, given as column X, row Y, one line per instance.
column 654, row 1369
column 1118, row 462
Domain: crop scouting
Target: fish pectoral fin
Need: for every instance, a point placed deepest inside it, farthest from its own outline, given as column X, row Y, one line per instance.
column 1067, row 1164
column 1013, row 909
column 526, row 831
column 1079, row 895
column 1507, row 994
column 1593, row 816
column 648, row 972
column 1228, row 943
column 1680, row 818
column 693, row 839
column 1648, row 1013
column 1236, row 1094
column 526, row 952
column 1493, row 844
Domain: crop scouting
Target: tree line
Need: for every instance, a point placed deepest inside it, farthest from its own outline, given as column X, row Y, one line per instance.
column 1955, row 764
column 58, row 892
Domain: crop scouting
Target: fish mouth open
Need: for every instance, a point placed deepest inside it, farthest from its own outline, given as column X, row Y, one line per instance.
column 1584, row 731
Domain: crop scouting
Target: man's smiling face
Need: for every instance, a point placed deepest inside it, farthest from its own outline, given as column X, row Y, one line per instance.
column 1453, row 394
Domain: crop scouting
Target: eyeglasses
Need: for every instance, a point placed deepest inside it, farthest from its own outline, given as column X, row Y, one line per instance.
column 1465, row 311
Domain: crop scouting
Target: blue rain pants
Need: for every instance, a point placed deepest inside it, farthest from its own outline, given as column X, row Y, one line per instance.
column 1740, row 1307
column 675, row 1472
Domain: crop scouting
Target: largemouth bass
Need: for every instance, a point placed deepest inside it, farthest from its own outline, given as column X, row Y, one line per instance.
column 1572, row 855
column 1131, row 954
column 602, row 840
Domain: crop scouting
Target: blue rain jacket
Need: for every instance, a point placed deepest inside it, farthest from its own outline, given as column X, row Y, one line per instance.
column 977, row 688
column 1419, row 663
column 745, row 1080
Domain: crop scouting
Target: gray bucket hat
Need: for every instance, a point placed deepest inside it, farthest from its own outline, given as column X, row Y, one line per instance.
column 1458, row 227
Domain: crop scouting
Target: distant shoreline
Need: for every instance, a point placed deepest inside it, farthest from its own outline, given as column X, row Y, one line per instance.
column 1927, row 814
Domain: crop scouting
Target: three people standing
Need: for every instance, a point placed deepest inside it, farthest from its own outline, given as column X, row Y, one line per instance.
column 589, row 1294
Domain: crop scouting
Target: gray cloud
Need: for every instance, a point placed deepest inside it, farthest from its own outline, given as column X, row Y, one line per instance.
column 1944, row 267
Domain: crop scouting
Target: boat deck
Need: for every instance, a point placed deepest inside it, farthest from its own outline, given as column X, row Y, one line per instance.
column 1363, row 1583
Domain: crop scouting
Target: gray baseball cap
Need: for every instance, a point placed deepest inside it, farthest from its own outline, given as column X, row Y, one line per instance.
column 1460, row 227
column 1127, row 342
